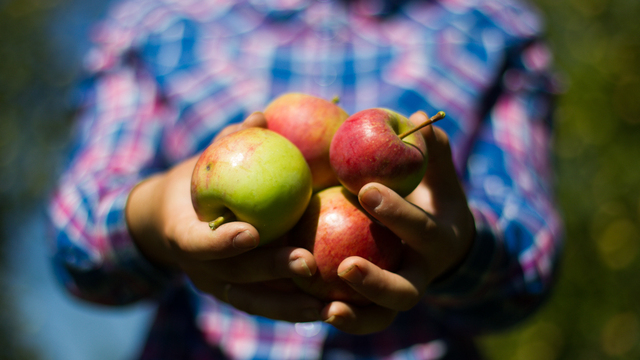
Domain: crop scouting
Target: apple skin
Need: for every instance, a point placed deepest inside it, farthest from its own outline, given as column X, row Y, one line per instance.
column 310, row 123
column 366, row 148
column 258, row 175
column 334, row 227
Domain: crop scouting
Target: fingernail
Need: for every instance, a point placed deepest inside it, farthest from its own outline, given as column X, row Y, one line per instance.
column 334, row 320
column 371, row 197
column 244, row 240
column 300, row 266
column 352, row 275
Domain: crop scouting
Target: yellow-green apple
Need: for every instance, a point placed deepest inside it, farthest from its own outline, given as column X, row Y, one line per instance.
column 367, row 148
column 254, row 175
column 334, row 227
column 309, row 122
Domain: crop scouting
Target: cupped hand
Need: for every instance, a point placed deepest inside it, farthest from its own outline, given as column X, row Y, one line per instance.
column 437, row 227
column 225, row 263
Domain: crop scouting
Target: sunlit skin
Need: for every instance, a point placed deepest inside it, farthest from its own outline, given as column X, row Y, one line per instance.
column 333, row 228
column 367, row 149
column 310, row 123
column 256, row 176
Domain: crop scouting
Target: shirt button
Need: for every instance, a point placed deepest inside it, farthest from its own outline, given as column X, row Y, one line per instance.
column 308, row 329
column 325, row 75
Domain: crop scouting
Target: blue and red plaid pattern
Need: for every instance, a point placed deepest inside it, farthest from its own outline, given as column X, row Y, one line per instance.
column 167, row 75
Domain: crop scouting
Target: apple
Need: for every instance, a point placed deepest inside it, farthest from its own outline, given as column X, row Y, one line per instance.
column 254, row 175
column 380, row 145
column 334, row 227
column 309, row 122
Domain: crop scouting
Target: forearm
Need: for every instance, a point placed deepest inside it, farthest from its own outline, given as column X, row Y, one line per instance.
column 142, row 215
column 151, row 225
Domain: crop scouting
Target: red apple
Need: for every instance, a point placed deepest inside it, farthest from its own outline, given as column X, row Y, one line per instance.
column 334, row 227
column 367, row 148
column 309, row 122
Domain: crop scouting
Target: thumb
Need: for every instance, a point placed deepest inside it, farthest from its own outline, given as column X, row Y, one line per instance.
column 256, row 119
column 441, row 176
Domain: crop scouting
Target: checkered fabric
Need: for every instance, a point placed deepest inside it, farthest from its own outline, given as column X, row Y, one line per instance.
column 166, row 76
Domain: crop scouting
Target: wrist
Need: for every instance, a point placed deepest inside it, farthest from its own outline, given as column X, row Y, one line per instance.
column 143, row 217
column 455, row 267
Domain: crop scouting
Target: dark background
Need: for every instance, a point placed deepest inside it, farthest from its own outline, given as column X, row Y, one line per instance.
column 594, row 312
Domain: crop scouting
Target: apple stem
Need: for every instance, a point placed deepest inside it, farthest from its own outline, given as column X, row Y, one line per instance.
column 336, row 99
column 439, row 116
column 225, row 218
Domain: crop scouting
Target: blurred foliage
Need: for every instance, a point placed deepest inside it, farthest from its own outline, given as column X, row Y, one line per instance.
column 34, row 126
column 594, row 311
column 33, row 122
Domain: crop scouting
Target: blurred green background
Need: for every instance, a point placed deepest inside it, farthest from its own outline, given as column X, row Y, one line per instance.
column 594, row 312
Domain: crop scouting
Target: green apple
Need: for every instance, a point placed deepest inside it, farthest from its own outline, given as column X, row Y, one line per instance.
column 254, row 175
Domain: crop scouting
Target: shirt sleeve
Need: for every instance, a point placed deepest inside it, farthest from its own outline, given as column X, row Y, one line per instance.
column 509, row 185
column 118, row 134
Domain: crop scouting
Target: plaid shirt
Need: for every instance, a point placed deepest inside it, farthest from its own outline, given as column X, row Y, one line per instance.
column 167, row 75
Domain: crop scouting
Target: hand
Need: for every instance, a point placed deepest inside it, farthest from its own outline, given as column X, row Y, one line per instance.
column 224, row 263
column 434, row 222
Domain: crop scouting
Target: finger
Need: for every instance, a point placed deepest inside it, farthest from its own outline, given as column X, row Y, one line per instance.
column 261, row 300
column 227, row 130
column 434, row 142
column 358, row 320
column 191, row 237
column 443, row 243
column 411, row 223
column 256, row 119
column 390, row 290
column 195, row 239
column 441, row 176
column 263, row 264
column 287, row 306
